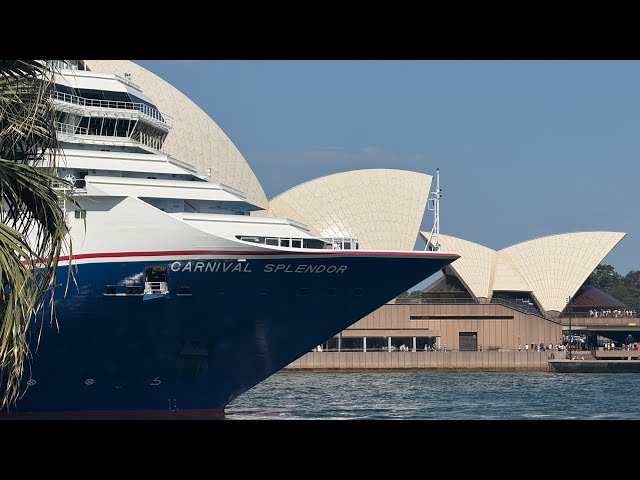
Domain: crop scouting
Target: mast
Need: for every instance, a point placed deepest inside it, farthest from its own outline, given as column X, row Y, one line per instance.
column 433, row 203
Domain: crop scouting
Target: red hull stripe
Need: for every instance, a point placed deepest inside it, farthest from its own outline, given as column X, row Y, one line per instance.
column 201, row 412
column 169, row 253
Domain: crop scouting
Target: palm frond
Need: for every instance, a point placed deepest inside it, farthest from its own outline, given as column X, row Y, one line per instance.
column 33, row 232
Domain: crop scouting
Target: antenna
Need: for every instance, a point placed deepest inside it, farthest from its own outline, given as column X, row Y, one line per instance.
column 433, row 203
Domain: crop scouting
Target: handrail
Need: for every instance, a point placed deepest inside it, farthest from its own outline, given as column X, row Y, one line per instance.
column 140, row 107
column 69, row 129
column 494, row 301
column 233, row 190
column 340, row 242
column 141, row 138
column 521, row 308
column 156, row 287
column 586, row 315
column 414, row 300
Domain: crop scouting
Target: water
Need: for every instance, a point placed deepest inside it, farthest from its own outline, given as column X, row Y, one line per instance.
column 428, row 395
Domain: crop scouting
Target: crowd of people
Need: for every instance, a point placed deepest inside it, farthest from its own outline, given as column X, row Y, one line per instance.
column 611, row 313
column 541, row 347
column 627, row 346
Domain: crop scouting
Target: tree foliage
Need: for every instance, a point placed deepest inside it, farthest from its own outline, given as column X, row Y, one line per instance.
column 33, row 232
column 624, row 288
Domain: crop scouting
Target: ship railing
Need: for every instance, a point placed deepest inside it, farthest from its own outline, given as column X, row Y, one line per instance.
column 69, row 129
column 341, row 243
column 156, row 288
column 143, row 108
column 232, row 190
column 147, row 140
column 63, row 65
column 78, row 187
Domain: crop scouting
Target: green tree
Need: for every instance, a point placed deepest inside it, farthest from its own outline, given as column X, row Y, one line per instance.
column 33, row 231
column 604, row 277
column 632, row 279
column 626, row 289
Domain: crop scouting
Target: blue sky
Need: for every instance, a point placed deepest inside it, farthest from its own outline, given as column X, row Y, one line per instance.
column 525, row 148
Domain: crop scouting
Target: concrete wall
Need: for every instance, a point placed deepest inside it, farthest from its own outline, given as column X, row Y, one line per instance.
column 493, row 334
column 479, row 361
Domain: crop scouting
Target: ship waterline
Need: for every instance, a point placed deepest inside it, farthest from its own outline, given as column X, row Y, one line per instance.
column 214, row 335
column 182, row 298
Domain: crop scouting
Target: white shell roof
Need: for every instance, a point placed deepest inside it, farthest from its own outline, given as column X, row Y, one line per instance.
column 474, row 265
column 556, row 266
column 382, row 208
column 506, row 277
column 195, row 138
column 552, row 268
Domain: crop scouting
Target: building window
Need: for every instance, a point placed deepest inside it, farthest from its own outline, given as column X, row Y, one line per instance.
column 80, row 213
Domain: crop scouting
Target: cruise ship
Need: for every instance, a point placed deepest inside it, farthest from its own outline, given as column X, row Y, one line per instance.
column 182, row 298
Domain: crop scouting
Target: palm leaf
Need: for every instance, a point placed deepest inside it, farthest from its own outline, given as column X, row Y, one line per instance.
column 33, row 232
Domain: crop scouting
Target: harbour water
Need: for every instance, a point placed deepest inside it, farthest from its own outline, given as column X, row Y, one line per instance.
column 429, row 395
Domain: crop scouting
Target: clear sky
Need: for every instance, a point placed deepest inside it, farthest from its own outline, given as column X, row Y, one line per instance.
column 525, row 148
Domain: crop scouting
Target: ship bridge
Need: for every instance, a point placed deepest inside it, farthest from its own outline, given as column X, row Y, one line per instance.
column 106, row 109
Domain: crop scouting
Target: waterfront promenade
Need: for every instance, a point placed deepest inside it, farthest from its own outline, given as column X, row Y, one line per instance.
column 507, row 360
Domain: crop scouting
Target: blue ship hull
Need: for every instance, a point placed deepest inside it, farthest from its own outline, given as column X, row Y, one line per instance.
column 214, row 336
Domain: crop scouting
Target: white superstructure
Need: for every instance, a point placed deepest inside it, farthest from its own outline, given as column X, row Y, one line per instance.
column 112, row 138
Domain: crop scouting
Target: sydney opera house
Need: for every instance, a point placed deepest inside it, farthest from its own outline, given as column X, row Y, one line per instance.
column 515, row 298
column 530, row 293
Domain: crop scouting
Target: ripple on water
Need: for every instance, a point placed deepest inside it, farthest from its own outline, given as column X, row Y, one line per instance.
column 421, row 394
